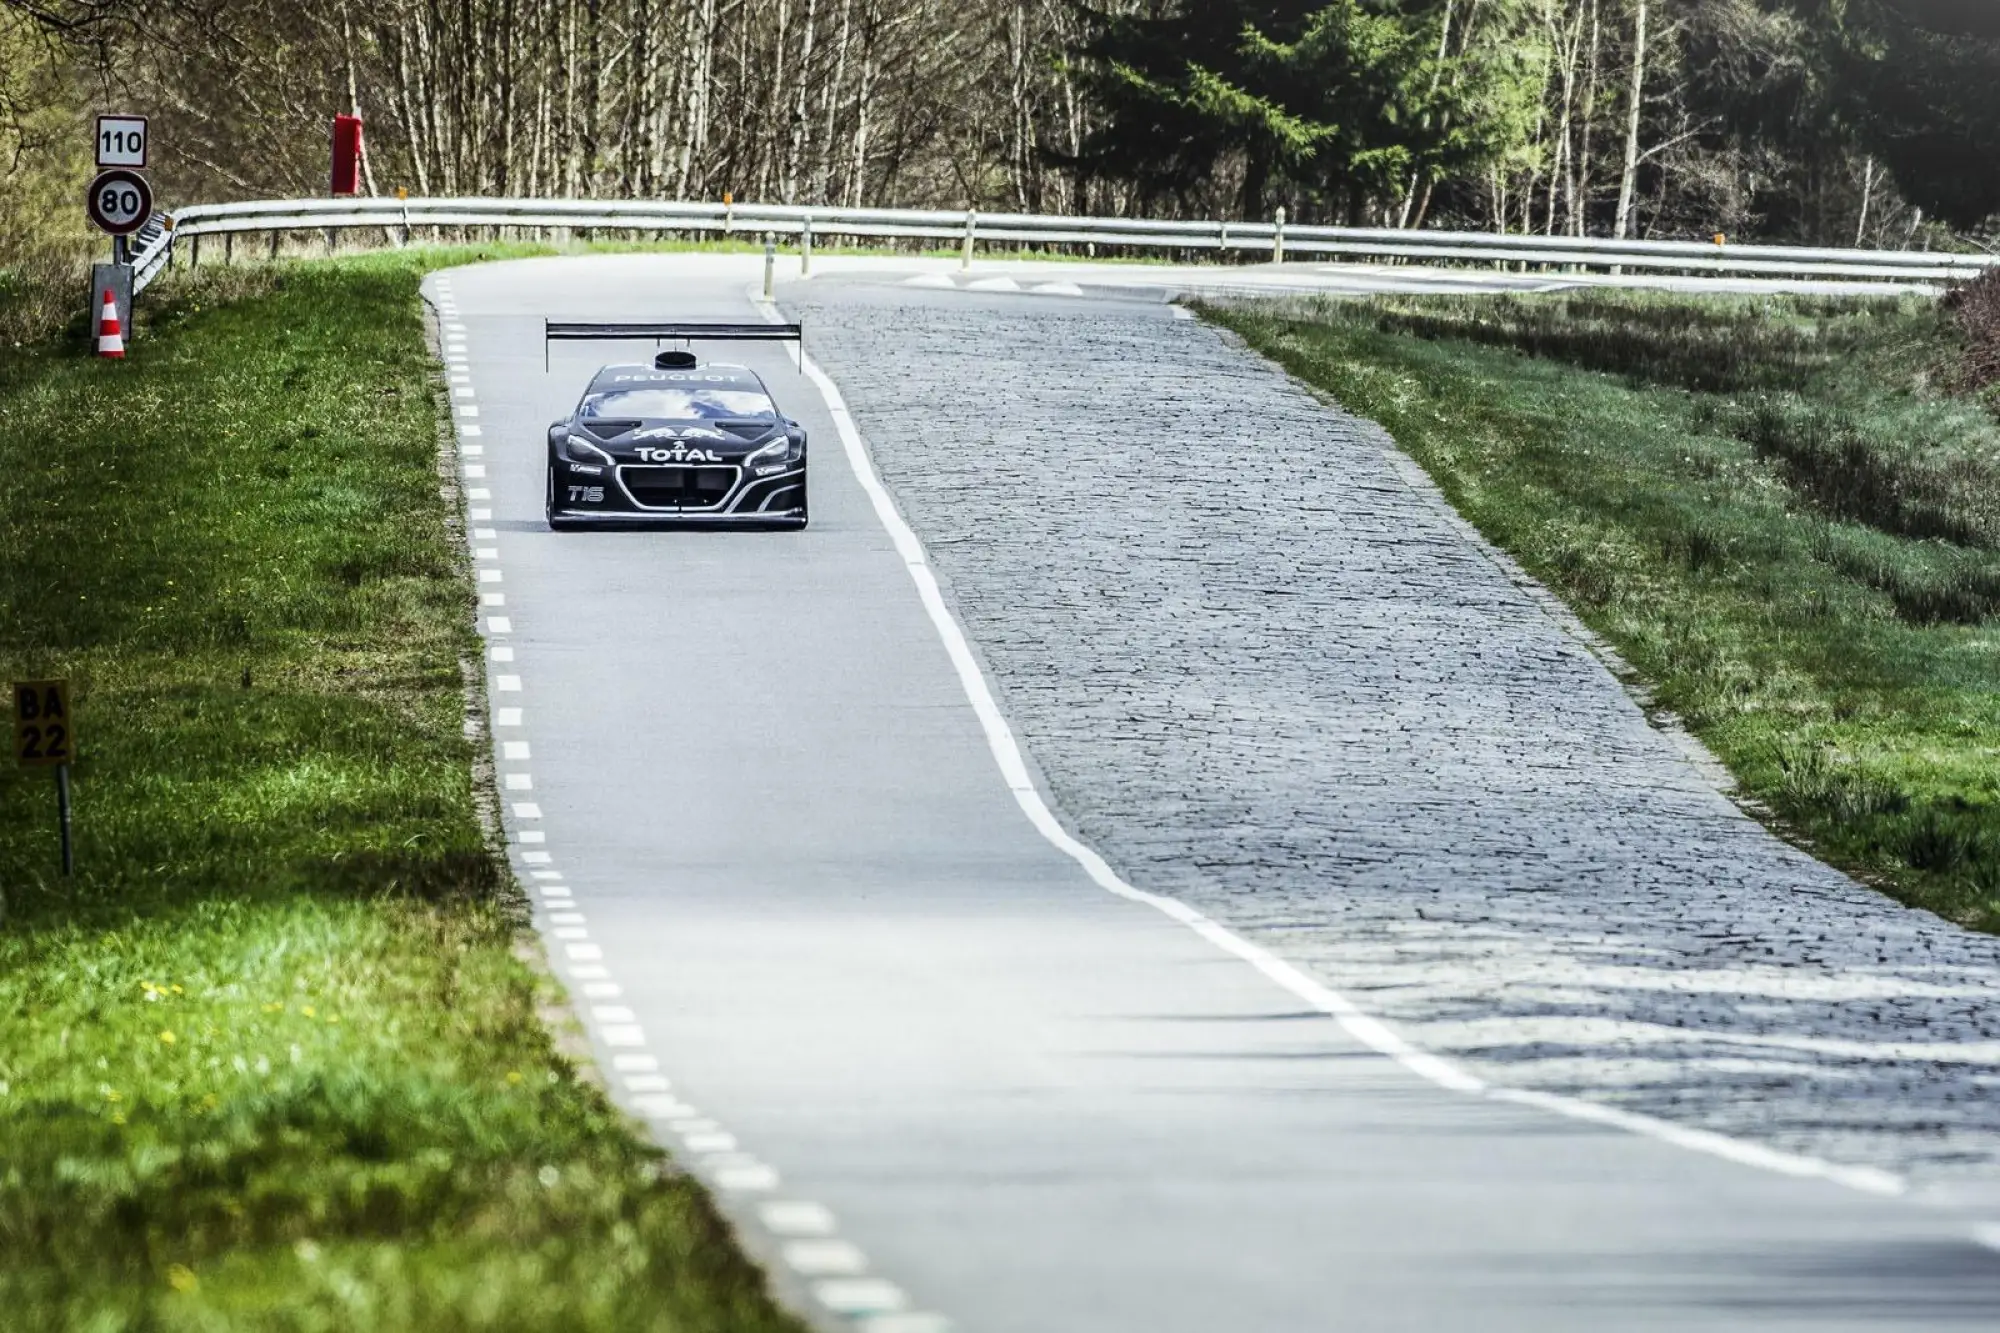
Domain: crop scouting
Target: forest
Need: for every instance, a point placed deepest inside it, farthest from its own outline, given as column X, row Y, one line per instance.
column 1850, row 122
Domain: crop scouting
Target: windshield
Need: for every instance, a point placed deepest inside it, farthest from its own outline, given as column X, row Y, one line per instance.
column 677, row 404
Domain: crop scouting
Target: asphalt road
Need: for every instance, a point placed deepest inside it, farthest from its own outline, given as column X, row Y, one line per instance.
column 935, row 1071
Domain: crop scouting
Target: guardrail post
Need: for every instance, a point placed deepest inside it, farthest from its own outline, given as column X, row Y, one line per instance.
column 770, row 267
column 274, row 244
column 971, row 235
column 228, row 247
column 1278, row 238
column 806, row 248
column 729, row 214
column 194, row 252
column 1222, row 238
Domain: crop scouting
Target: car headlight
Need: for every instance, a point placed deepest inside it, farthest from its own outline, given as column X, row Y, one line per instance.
column 777, row 451
column 589, row 452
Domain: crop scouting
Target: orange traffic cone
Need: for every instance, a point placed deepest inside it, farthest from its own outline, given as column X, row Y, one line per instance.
column 110, row 338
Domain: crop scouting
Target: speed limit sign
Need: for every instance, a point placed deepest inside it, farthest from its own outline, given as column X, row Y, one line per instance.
column 120, row 201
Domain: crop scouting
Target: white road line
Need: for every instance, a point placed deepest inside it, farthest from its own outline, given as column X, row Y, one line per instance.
column 624, row 1034
column 860, row 1295
column 520, row 782
column 485, row 553
column 527, row 810
column 745, row 1178
column 468, row 432
column 647, row 1082
column 493, row 599
column 903, row 1321
column 492, row 576
column 485, row 534
column 499, row 625
column 602, row 990
column 583, row 953
column 502, row 655
column 1369, row 1031
column 613, row 1013
column 507, row 717
column 477, row 514
column 475, row 470
column 546, row 874
column 471, row 451
column 824, row 1258
column 508, row 684
column 635, row 1064
column 796, row 1217
column 566, row 918
column 536, row 858
column 479, row 493
column 532, row 835
column 513, row 749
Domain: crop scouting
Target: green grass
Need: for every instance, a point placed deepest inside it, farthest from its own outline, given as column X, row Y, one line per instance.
column 274, row 1059
column 1775, row 510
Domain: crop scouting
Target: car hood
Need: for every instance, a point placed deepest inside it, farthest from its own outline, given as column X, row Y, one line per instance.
column 681, row 441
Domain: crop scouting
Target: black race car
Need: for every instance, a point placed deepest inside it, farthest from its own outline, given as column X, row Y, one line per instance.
column 678, row 442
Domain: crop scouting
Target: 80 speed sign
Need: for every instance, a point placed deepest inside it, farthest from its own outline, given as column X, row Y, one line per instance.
column 120, row 201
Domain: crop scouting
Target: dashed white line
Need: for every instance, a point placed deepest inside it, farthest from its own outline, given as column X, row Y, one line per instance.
column 527, row 810
column 824, row 1258
column 508, row 684
column 796, row 1217
column 501, row 654
column 860, row 1295
column 520, row 782
column 499, row 625
column 507, row 717
column 514, row 749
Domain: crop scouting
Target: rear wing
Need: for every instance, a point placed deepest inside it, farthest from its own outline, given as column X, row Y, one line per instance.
column 566, row 331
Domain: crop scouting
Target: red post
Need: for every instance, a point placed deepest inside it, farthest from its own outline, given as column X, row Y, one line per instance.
column 347, row 155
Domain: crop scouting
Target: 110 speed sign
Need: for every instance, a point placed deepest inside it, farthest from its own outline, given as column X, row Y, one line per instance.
column 120, row 201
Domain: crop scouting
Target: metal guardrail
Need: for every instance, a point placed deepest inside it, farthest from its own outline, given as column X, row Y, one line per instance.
column 152, row 248
column 969, row 229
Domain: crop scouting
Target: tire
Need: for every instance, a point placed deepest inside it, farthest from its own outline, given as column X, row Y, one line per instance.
column 549, row 501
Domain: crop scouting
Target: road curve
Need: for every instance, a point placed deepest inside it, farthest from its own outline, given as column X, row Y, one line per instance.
column 937, row 1075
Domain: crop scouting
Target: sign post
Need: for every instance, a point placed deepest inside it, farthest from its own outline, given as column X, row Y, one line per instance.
column 45, row 737
column 119, row 201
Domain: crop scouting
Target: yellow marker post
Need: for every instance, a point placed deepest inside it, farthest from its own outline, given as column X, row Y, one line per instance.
column 45, row 737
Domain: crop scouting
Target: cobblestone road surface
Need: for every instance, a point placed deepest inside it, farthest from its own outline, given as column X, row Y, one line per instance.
column 1265, row 669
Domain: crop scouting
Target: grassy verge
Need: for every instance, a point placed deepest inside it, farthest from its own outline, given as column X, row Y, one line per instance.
column 1778, row 510
column 271, row 1059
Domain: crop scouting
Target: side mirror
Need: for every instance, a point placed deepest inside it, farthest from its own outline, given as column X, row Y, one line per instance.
column 558, row 434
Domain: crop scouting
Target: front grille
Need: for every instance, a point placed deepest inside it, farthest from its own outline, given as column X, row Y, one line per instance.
column 679, row 487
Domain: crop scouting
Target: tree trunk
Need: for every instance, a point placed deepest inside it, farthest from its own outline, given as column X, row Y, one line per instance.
column 1628, row 181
